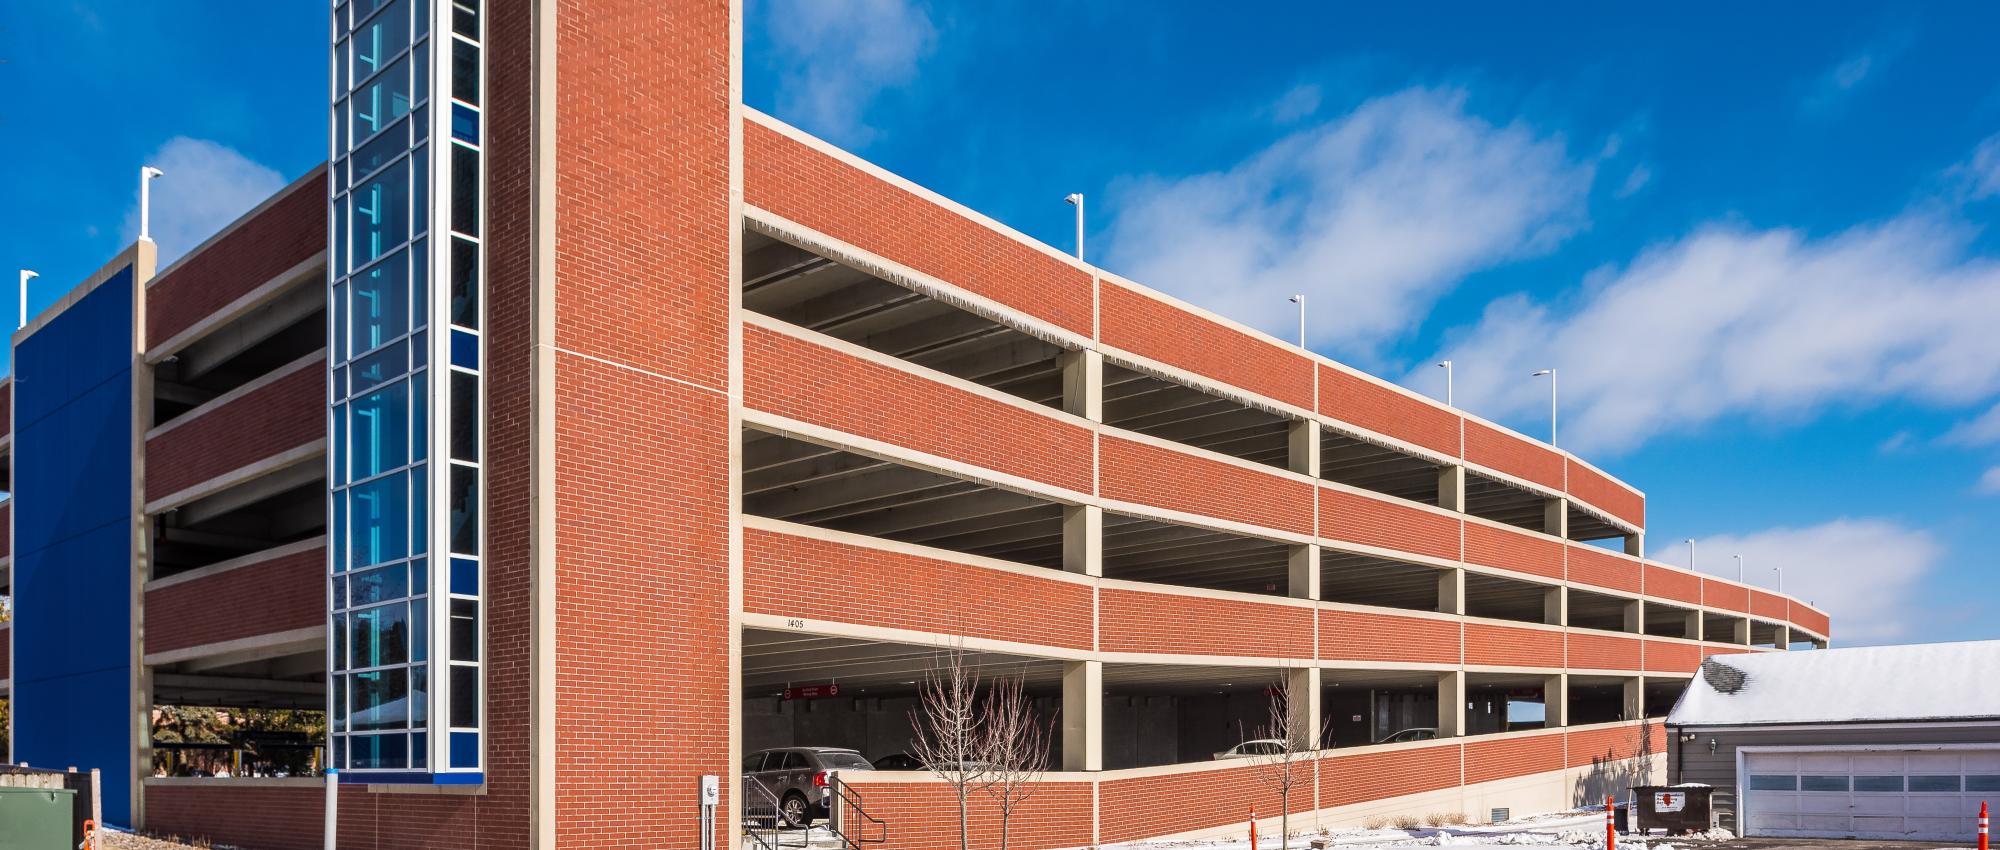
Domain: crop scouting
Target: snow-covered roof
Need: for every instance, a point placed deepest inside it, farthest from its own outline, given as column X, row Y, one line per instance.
column 1933, row 681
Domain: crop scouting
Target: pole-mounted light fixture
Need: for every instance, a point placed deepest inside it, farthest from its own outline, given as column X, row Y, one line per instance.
column 146, row 175
column 1076, row 199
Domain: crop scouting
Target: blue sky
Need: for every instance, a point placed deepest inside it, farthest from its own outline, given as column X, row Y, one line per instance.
column 1755, row 240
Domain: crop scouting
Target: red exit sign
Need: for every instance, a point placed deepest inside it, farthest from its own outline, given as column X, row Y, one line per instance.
column 812, row 692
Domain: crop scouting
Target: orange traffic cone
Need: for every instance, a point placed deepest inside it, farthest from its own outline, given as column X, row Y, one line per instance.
column 1253, row 828
column 1610, row 824
column 1982, row 825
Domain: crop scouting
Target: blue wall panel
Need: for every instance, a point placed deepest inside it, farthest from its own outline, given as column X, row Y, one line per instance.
column 73, row 571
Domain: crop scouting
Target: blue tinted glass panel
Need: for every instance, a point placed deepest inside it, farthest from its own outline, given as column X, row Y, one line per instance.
column 464, row 630
column 377, row 41
column 385, row 365
column 380, row 636
column 464, row 350
column 464, row 417
column 381, row 700
column 420, row 639
column 464, row 697
column 381, row 303
column 380, row 210
column 464, row 123
column 464, row 283
column 465, row 580
column 465, row 749
column 378, row 152
column 420, row 695
column 378, row 752
column 380, row 520
column 382, row 100
column 419, row 751
column 381, row 426
column 379, row 585
column 464, row 510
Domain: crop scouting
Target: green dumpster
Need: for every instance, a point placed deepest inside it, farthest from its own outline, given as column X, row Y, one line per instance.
column 36, row 818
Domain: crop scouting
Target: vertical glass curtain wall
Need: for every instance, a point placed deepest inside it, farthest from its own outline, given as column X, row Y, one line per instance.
column 404, row 395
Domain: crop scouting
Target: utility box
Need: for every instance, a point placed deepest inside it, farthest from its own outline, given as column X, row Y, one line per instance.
column 36, row 818
column 1678, row 809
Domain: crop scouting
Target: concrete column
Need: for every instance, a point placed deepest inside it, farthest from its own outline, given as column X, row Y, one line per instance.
column 1555, row 517
column 1304, row 444
column 1635, row 698
column 1083, row 539
column 1555, row 700
column 1555, row 606
column 1083, row 715
column 1304, row 567
column 1694, row 626
column 1451, row 487
column 1785, row 638
column 1083, row 383
column 1635, row 544
column 1739, row 629
column 1635, row 617
column 1451, row 591
column 1451, row 704
column 1304, row 712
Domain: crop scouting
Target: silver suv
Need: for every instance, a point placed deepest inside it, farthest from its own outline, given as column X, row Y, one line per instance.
column 796, row 778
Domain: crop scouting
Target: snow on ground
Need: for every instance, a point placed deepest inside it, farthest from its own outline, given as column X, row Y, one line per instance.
column 1580, row 829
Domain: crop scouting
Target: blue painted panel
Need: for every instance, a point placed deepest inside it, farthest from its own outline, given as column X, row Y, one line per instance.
column 73, row 573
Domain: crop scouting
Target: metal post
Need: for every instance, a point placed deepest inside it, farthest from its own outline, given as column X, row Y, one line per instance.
column 25, row 277
column 332, row 806
column 1446, row 366
column 146, row 175
column 1076, row 198
column 1300, row 300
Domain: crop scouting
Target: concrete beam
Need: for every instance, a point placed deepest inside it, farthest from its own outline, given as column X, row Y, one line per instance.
column 1083, row 544
column 1304, row 575
column 1083, row 715
column 1451, row 704
column 1303, row 689
column 1451, row 487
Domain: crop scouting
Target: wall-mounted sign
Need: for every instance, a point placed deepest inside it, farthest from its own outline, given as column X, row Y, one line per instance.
column 813, row 691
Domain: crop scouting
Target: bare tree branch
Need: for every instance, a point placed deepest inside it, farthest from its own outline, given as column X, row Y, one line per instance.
column 949, row 732
column 1016, row 745
column 1289, row 763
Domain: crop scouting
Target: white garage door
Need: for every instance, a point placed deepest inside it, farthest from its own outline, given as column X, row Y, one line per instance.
column 1928, row 795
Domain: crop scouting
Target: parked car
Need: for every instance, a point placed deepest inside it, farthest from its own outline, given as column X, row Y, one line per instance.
column 1414, row 733
column 797, row 778
column 1252, row 749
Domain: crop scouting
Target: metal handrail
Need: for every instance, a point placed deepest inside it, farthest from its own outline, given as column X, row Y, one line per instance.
column 845, row 800
column 761, row 818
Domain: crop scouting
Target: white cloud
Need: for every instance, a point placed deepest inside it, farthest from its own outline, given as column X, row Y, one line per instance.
column 1372, row 215
column 205, row 187
column 1981, row 173
column 1832, row 87
column 1982, row 431
column 1863, row 572
column 1734, row 321
column 1637, row 179
column 836, row 57
column 1301, row 102
column 1990, row 482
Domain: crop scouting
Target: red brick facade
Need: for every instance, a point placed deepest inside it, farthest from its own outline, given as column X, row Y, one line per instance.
column 1594, row 566
column 1603, row 652
column 1486, row 761
column 1150, row 327
column 279, row 595
column 1350, row 398
column 1505, row 452
column 1509, row 646
column 1171, row 623
column 290, row 231
column 1149, row 474
column 1366, row 636
column 282, row 415
column 1509, row 549
column 1387, row 524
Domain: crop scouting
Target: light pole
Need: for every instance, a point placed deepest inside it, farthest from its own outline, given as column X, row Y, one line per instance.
column 1300, row 299
column 1781, row 578
column 1690, row 543
column 1739, row 568
column 1446, row 366
column 146, row 175
column 25, row 277
column 1076, row 199
column 1552, row 402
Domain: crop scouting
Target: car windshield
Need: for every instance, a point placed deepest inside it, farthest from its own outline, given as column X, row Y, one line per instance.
column 844, row 761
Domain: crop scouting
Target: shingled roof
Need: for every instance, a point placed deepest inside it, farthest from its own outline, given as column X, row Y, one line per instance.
column 1874, row 684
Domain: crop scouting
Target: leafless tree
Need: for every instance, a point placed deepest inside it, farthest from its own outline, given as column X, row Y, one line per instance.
column 949, row 730
column 1016, row 746
column 1289, row 763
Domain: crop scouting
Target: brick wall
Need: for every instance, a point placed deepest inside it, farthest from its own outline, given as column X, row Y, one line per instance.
column 1594, row 566
column 1603, row 652
column 1382, row 522
column 1160, row 805
column 1508, row 549
column 1669, row 657
column 1486, row 761
column 1512, row 647
column 1134, row 621
column 1615, row 743
column 7, row 408
column 290, row 817
column 791, row 576
column 1810, row 618
column 284, row 593
column 1668, row 583
column 284, row 414
column 1601, row 492
column 1720, row 594
column 1496, row 449
column 1769, row 605
column 796, row 378
column 1387, row 412
column 833, row 197
column 1348, row 779
column 1366, row 636
column 1132, row 471
column 1152, row 328
column 288, row 232
column 6, row 652
column 924, row 816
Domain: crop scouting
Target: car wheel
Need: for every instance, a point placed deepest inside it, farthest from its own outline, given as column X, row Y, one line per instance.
column 796, row 811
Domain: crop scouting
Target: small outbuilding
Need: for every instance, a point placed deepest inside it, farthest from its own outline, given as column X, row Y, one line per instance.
column 1881, row 742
